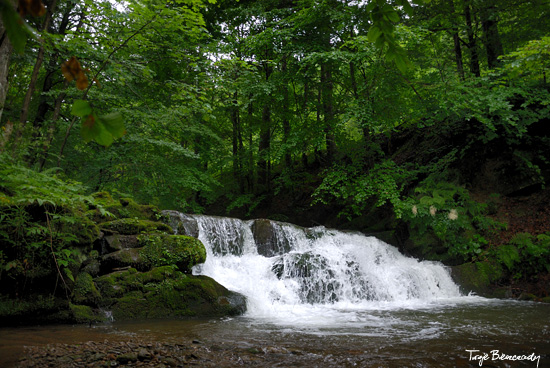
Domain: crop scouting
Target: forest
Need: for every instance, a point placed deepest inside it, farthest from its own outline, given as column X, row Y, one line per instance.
column 424, row 122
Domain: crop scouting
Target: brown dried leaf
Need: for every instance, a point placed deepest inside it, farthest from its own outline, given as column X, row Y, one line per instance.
column 71, row 69
column 33, row 7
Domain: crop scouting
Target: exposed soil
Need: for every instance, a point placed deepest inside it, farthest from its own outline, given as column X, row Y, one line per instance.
column 523, row 214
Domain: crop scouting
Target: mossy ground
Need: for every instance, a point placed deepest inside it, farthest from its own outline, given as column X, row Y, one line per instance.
column 152, row 282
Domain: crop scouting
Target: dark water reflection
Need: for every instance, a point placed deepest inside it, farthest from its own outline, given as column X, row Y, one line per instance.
column 439, row 336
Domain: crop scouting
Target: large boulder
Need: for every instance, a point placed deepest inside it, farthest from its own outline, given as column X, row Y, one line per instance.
column 479, row 278
column 161, row 249
column 270, row 238
column 166, row 292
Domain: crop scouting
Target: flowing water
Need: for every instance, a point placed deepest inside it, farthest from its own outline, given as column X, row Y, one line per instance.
column 324, row 298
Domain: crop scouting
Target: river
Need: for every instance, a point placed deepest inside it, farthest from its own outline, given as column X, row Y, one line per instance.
column 324, row 298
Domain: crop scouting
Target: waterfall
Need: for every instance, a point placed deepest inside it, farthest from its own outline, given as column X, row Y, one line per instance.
column 280, row 266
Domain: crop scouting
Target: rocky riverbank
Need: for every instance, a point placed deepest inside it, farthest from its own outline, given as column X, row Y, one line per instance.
column 136, row 353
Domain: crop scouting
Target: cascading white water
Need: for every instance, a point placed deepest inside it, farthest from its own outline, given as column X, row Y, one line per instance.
column 313, row 269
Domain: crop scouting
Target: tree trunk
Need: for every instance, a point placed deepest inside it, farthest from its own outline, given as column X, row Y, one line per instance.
column 34, row 76
column 472, row 46
column 53, row 66
column 263, row 149
column 5, row 53
column 286, row 115
column 491, row 36
column 328, row 109
column 237, row 142
column 51, row 128
column 456, row 41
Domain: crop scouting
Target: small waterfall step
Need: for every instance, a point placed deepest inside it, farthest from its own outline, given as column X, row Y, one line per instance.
column 276, row 263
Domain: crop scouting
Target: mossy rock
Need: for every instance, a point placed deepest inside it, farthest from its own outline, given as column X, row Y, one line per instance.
column 179, row 250
column 166, row 292
column 118, row 242
column 35, row 309
column 179, row 296
column 85, row 291
column 121, row 208
column 116, row 284
column 91, row 265
column 131, row 226
column 85, row 314
column 427, row 246
column 85, row 230
column 478, row 277
column 124, row 258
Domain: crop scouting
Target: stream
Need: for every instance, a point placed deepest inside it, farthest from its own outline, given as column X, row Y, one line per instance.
column 323, row 298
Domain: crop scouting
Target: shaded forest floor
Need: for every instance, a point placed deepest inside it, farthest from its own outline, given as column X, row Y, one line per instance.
column 528, row 213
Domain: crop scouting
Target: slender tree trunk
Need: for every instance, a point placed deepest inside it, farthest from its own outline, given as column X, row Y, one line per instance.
column 51, row 128
column 237, row 142
column 286, row 115
column 6, row 49
column 53, row 66
column 5, row 53
column 35, row 72
column 328, row 109
column 263, row 148
column 456, row 42
column 472, row 46
column 491, row 36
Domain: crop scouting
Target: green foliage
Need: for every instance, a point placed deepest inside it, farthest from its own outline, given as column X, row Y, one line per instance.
column 103, row 129
column 525, row 256
column 350, row 186
column 532, row 60
column 42, row 221
column 17, row 29
column 447, row 210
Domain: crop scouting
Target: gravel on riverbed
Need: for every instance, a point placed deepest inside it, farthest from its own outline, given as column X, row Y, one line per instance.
column 149, row 354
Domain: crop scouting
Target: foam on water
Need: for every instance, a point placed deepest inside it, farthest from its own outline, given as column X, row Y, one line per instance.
column 320, row 277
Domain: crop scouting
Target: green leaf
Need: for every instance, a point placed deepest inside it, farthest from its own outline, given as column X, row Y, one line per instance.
column 81, row 108
column 69, row 274
column 392, row 16
column 104, row 137
column 374, row 33
column 102, row 129
column 114, row 124
column 14, row 26
column 89, row 128
column 402, row 62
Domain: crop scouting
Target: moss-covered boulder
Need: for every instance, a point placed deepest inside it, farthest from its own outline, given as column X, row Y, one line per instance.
column 179, row 250
column 85, row 291
column 124, row 258
column 479, row 278
column 85, row 314
column 166, row 292
column 106, row 207
column 130, row 226
column 116, row 242
column 426, row 246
